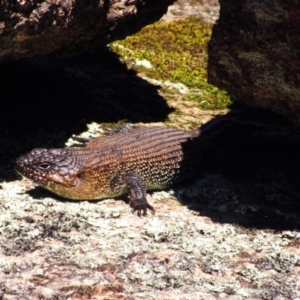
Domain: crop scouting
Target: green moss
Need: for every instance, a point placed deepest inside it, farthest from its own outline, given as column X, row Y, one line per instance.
column 177, row 52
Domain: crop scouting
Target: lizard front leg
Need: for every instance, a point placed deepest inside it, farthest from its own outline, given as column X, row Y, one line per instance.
column 137, row 191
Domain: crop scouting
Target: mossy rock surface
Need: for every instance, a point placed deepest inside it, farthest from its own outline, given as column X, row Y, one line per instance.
column 175, row 52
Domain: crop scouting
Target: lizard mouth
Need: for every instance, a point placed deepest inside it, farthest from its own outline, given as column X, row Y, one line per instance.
column 33, row 176
column 21, row 174
column 22, row 168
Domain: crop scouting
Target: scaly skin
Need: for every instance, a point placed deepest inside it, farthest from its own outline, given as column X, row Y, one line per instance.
column 127, row 160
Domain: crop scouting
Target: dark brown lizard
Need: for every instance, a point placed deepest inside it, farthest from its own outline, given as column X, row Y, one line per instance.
column 127, row 160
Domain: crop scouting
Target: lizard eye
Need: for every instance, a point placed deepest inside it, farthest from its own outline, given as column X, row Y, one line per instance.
column 44, row 166
column 80, row 175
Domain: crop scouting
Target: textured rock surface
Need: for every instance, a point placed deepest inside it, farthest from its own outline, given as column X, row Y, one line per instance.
column 254, row 54
column 30, row 27
column 233, row 235
column 207, row 9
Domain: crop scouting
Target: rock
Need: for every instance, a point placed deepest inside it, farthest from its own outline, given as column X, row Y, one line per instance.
column 181, row 9
column 34, row 28
column 254, row 54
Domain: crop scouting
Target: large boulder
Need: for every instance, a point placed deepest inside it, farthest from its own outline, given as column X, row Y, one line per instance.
column 254, row 54
column 33, row 28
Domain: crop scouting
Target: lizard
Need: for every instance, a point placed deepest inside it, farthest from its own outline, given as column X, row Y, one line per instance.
column 127, row 160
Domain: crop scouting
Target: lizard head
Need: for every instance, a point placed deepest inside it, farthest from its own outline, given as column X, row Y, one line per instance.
column 53, row 169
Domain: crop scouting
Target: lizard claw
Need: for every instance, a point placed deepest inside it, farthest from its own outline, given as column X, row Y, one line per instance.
column 137, row 192
column 141, row 208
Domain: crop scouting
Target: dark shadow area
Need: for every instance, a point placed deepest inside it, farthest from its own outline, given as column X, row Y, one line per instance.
column 45, row 101
column 250, row 173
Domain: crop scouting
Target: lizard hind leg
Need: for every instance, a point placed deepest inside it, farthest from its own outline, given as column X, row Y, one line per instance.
column 137, row 191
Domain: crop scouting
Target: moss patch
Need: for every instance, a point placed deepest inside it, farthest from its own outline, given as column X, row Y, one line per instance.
column 175, row 52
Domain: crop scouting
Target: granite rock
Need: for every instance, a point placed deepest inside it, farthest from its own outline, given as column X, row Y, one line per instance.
column 254, row 54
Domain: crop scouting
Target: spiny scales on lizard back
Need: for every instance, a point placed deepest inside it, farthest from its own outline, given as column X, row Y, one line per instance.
column 127, row 160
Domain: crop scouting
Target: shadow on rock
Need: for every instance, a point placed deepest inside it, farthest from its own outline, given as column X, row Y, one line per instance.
column 250, row 175
column 47, row 100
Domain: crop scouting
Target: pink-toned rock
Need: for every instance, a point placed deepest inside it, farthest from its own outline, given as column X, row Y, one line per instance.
column 34, row 28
